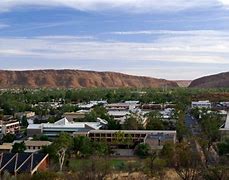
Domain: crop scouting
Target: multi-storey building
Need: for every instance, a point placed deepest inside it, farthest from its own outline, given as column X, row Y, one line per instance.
column 156, row 139
column 9, row 126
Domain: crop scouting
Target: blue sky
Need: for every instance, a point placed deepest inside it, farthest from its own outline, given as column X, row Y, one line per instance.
column 176, row 39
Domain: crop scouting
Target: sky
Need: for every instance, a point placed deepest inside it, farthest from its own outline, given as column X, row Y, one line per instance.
column 170, row 39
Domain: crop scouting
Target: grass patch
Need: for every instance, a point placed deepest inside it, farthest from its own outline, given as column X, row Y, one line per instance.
column 115, row 164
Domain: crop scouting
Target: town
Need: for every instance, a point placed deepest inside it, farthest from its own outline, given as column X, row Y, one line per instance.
column 103, row 133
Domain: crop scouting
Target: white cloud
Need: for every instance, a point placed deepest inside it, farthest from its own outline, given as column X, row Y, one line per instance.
column 3, row 25
column 184, row 48
column 126, row 5
column 170, row 32
column 225, row 2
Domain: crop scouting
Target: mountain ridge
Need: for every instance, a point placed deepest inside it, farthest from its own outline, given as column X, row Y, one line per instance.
column 220, row 80
column 66, row 78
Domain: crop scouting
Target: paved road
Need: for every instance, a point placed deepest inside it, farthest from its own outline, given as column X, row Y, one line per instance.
column 195, row 130
column 192, row 125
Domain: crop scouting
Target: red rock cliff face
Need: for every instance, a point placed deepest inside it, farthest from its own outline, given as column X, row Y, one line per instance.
column 76, row 79
column 214, row 81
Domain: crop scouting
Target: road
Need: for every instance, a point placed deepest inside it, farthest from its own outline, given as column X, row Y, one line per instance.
column 192, row 125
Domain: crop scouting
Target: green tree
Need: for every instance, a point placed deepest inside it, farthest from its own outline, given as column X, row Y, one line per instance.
column 156, row 166
column 62, row 144
column 96, row 168
column 129, row 140
column 113, row 124
column 132, row 123
column 223, row 147
column 91, row 117
column 18, row 147
column 100, row 149
column 119, row 137
column 51, row 151
column 24, row 121
column 154, row 121
column 142, row 150
column 43, row 138
column 187, row 162
column 180, row 127
column 216, row 172
column 210, row 124
column 167, row 152
column 82, row 146
column 8, row 138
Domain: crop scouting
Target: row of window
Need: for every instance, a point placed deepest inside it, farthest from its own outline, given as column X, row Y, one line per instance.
column 114, row 135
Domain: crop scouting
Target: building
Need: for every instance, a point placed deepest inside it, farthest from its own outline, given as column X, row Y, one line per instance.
column 132, row 102
column 156, row 139
column 9, row 126
column 74, row 116
column 6, row 147
column 91, row 104
column 17, row 163
column 201, row 104
column 130, row 105
column 224, row 130
column 35, row 146
column 151, row 106
column 121, row 111
column 27, row 114
column 63, row 125
column 120, row 116
column 167, row 113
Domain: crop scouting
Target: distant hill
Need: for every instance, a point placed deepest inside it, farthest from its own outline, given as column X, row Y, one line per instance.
column 214, row 81
column 76, row 79
column 183, row 83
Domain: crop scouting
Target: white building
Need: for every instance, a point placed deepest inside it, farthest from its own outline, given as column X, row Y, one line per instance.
column 224, row 130
column 9, row 127
column 201, row 104
column 63, row 125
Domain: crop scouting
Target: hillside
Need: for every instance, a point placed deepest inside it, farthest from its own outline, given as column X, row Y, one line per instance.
column 76, row 79
column 214, row 81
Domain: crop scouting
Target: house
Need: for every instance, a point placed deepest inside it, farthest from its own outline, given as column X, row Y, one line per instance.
column 63, row 125
column 16, row 163
column 201, row 104
column 9, row 126
column 35, row 146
